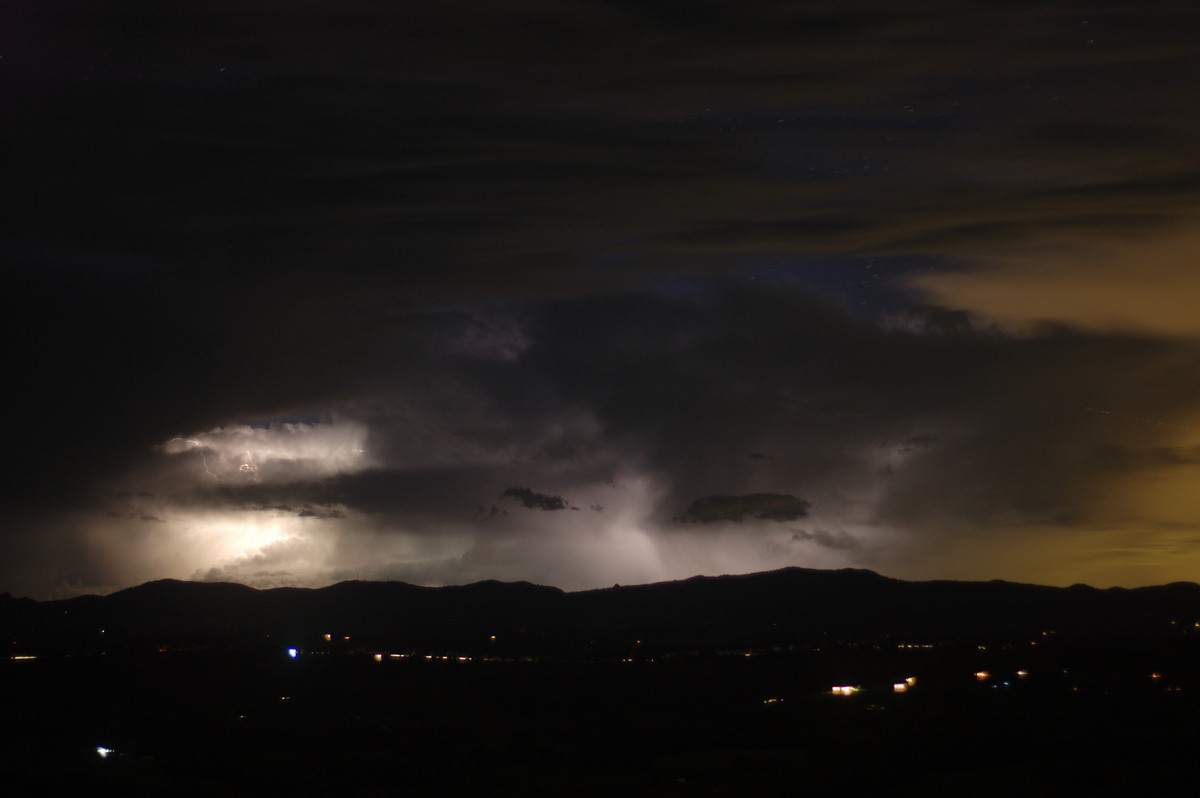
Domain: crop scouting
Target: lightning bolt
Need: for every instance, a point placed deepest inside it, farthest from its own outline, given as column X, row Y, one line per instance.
column 199, row 446
column 249, row 466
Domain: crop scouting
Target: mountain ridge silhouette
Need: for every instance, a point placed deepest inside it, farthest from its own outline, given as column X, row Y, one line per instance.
column 790, row 606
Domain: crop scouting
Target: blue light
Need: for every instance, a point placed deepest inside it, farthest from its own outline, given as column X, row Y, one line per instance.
column 292, row 653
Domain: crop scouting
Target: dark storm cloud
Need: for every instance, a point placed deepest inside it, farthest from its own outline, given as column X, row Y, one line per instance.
column 319, row 511
column 535, row 501
column 376, row 491
column 508, row 240
column 761, row 506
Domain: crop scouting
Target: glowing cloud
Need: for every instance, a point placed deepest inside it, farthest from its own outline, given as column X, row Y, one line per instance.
column 279, row 452
column 1143, row 285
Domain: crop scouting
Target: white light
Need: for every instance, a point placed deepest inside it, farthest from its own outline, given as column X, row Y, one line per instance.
column 292, row 653
column 103, row 752
column 282, row 449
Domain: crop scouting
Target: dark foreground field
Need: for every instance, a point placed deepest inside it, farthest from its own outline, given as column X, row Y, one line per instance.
column 237, row 723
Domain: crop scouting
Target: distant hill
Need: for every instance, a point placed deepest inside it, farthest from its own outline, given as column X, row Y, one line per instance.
column 792, row 606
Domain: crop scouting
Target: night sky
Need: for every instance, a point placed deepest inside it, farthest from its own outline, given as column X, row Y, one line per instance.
column 592, row 292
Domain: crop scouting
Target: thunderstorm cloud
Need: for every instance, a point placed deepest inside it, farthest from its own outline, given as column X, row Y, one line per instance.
column 582, row 292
